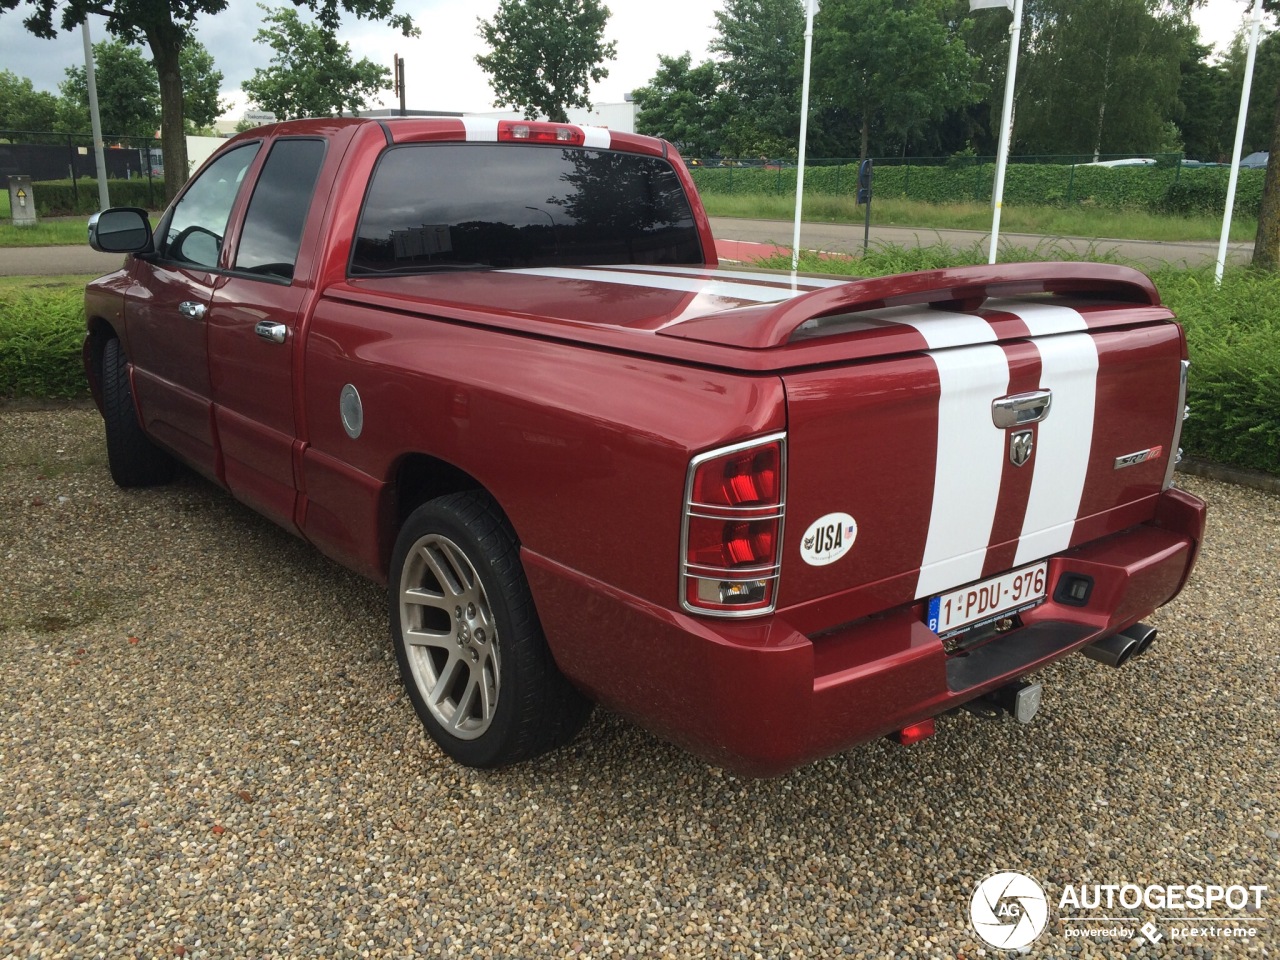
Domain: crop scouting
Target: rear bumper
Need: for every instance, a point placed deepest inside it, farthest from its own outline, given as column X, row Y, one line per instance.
column 761, row 698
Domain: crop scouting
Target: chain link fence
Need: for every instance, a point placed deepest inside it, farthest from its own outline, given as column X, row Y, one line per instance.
column 68, row 160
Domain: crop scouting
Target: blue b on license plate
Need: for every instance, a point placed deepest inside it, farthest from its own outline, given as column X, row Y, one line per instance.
column 978, row 602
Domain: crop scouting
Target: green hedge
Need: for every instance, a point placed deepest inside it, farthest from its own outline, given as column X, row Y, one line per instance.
column 1233, row 338
column 1158, row 189
column 56, row 198
column 41, row 333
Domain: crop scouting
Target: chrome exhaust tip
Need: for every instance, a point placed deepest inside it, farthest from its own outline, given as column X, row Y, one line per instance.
column 1143, row 635
column 1115, row 650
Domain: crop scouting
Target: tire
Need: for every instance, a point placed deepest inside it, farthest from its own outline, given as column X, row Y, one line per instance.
column 133, row 459
column 472, row 654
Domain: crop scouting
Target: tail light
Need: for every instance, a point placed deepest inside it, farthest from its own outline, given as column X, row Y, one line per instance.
column 731, row 546
column 540, row 132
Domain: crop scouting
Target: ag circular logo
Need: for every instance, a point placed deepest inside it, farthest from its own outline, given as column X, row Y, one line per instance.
column 1009, row 910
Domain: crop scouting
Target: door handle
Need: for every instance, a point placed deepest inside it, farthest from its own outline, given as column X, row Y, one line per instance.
column 275, row 332
column 1021, row 409
column 191, row 310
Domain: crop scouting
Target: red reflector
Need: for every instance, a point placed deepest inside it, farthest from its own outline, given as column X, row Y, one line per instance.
column 915, row 733
column 539, row 132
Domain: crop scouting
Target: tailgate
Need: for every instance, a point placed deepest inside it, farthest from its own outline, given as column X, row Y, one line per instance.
column 1017, row 430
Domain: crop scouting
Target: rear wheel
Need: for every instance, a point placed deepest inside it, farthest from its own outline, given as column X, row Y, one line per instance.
column 133, row 459
column 471, row 651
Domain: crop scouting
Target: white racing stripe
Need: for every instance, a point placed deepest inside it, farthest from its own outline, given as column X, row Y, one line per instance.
column 480, row 128
column 711, row 273
column 971, row 456
column 598, row 138
column 1042, row 319
column 1064, row 440
column 941, row 328
column 749, row 292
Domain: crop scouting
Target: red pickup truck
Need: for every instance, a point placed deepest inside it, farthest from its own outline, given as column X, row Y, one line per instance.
column 495, row 365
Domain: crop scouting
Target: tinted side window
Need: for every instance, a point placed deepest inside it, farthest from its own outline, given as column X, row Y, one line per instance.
column 199, row 222
column 273, row 224
column 433, row 206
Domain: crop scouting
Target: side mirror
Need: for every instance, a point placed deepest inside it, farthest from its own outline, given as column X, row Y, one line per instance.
column 120, row 230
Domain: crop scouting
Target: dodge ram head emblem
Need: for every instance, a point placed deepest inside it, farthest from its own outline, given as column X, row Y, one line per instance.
column 1019, row 411
column 1020, row 446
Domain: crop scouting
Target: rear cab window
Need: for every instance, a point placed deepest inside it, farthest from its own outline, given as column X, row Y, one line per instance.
column 433, row 206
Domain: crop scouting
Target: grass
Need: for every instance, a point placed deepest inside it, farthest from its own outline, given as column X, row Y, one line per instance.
column 70, row 281
column 1049, row 221
column 45, row 233
column 41, row 330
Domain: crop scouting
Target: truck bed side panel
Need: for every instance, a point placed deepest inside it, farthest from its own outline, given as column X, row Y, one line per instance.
column 585, row 450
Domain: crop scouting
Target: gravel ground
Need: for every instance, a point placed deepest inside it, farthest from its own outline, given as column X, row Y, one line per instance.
column 204, row 752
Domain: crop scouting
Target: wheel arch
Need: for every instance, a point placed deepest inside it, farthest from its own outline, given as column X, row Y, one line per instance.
column 416, row 479
column 98, row 331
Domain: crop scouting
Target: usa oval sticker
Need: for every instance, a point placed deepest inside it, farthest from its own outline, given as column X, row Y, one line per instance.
column 828, row 539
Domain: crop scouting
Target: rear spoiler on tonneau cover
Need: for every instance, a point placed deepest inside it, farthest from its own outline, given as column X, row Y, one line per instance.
column 962, row 289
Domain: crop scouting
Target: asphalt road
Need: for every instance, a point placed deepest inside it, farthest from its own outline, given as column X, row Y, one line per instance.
column 52, row 261
column 829, row 237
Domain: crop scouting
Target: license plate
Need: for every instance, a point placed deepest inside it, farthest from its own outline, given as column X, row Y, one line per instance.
column 1008, row 593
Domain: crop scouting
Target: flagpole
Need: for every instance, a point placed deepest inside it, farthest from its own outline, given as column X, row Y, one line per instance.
column 810, row 8
column 1006, row 125
column 95, row 121
column 1235, row 155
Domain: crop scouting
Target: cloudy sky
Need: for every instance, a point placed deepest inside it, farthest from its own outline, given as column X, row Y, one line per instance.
column 441, row 73
column 440, row 70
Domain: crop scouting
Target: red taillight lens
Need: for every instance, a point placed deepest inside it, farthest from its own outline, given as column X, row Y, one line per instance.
column 734, row 508
column 540, row 132
column 731, row 543
column 740, row 480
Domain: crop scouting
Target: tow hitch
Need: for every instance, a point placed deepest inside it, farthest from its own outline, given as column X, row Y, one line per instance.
column 1019, row 699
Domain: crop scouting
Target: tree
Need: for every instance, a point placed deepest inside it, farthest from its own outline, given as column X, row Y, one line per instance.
column 22, row 107
column 1206, row 121
column 545, row 54
column 128, row 92
column 166, row 27
column 311, row 73
column 201, row 84
column 1266, row 243
column 684, row 104
column 973, row 129
column 1101, row 76
column 897, row 65
column 762, row 45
